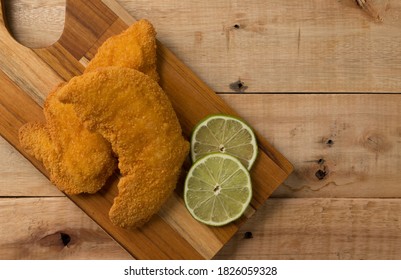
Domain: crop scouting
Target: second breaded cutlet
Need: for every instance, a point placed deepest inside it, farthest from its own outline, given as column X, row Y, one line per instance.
column 80, row 161
column 133, row 113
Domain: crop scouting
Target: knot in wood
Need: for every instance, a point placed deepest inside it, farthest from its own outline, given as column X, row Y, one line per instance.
column 238, row 86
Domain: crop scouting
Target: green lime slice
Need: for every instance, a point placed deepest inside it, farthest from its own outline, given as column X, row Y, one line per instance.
column 224, row 134
column 218, row 189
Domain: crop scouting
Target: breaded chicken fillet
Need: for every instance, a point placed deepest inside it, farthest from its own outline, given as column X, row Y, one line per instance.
column 77, row 160
column 134, row 48
column 133, row 113
column 80, row 161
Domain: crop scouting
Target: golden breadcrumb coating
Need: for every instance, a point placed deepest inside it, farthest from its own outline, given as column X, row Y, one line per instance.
column 133, row 113
column 134, row 48
column 77, row 160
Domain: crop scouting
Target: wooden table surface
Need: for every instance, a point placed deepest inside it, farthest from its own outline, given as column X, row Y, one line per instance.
column 318, row 79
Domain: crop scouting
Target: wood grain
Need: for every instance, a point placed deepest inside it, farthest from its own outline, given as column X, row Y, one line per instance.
column 320, row 228
column 361, row 176
column 17, row 62
column 341, row 145
column 35, row 23
column 64, row 234
column 276, row 46
column 87, row 25
column 291, row 133
column 363, row 159
column 332, row 47
column 18, row 177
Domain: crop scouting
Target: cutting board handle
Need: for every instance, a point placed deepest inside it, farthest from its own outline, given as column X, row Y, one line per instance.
column 84, row 24
column 3, row 21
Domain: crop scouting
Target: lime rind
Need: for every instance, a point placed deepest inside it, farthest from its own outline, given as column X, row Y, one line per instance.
column 217, row 207
column 240, row 134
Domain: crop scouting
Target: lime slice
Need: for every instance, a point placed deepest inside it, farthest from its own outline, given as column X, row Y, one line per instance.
column 217, row 189
column 224, row 134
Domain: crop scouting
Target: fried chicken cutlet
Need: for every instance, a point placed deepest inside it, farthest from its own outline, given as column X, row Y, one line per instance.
column 133, row 113
column 78, row 160
column 134, row 48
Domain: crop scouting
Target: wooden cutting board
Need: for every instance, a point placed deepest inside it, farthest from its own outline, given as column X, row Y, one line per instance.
column 28, row 75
